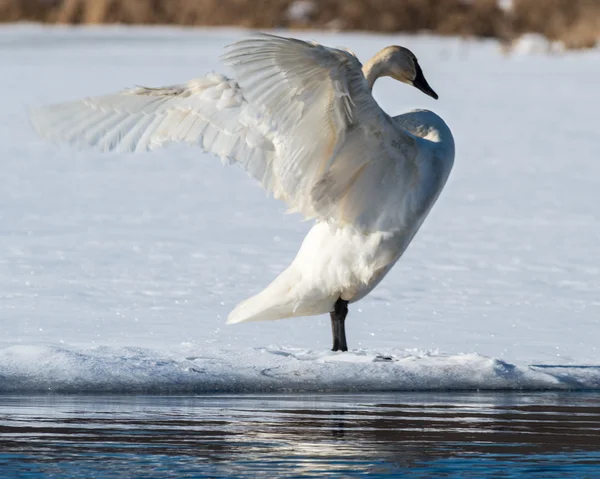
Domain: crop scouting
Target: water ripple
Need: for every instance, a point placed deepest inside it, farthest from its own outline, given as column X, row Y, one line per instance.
column 383, row 435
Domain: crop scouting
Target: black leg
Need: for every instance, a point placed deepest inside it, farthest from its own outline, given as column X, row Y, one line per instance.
column 338, row 328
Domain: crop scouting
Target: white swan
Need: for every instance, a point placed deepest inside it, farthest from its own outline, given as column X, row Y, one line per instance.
column 300, row 118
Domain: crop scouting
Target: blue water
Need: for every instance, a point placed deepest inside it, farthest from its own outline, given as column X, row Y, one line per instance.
column 543, row 435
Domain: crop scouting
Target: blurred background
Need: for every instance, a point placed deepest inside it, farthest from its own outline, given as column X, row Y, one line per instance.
column 565, row 24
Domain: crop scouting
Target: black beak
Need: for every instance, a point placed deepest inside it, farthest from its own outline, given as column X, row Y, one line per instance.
column 420, row 83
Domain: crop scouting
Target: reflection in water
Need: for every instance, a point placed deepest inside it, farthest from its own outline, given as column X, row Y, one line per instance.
column 413, row 435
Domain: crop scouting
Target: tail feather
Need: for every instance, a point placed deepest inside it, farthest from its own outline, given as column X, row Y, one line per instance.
column 255, row 309
column 276, row 301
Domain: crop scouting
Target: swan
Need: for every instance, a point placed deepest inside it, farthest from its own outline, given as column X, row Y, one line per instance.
column 300, row 118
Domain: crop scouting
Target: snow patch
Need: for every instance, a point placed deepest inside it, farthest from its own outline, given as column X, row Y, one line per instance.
column 505, row 5
column 534, row 43
column 301, row 11
column 37, row 369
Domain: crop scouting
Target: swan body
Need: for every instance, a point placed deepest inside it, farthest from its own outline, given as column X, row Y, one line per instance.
column 342, row 261
column 300, row 118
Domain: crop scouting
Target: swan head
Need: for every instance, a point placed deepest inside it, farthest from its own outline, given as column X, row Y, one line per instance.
column 400, row 64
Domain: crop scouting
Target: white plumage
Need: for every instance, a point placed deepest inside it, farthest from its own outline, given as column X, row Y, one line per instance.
column 300, row 118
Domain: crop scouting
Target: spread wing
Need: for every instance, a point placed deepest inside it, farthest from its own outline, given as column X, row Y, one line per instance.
column 209, row 112
column 299, row 117
column 333, row 154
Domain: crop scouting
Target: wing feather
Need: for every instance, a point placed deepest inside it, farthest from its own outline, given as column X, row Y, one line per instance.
column 331, row 155
column 299, row 117
column 209, row 112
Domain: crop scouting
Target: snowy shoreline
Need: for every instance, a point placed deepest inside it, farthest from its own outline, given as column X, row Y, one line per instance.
column 115, row 270
column 30, row 370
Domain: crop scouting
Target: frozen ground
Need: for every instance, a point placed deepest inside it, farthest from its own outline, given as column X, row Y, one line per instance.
column 117, row 272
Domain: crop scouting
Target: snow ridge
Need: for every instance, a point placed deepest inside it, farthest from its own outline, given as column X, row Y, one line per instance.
column 39, row 369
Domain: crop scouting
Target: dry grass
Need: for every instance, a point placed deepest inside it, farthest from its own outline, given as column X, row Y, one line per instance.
column 574, row 22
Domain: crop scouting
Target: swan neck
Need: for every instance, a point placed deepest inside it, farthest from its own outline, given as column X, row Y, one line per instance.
column 373, row 70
